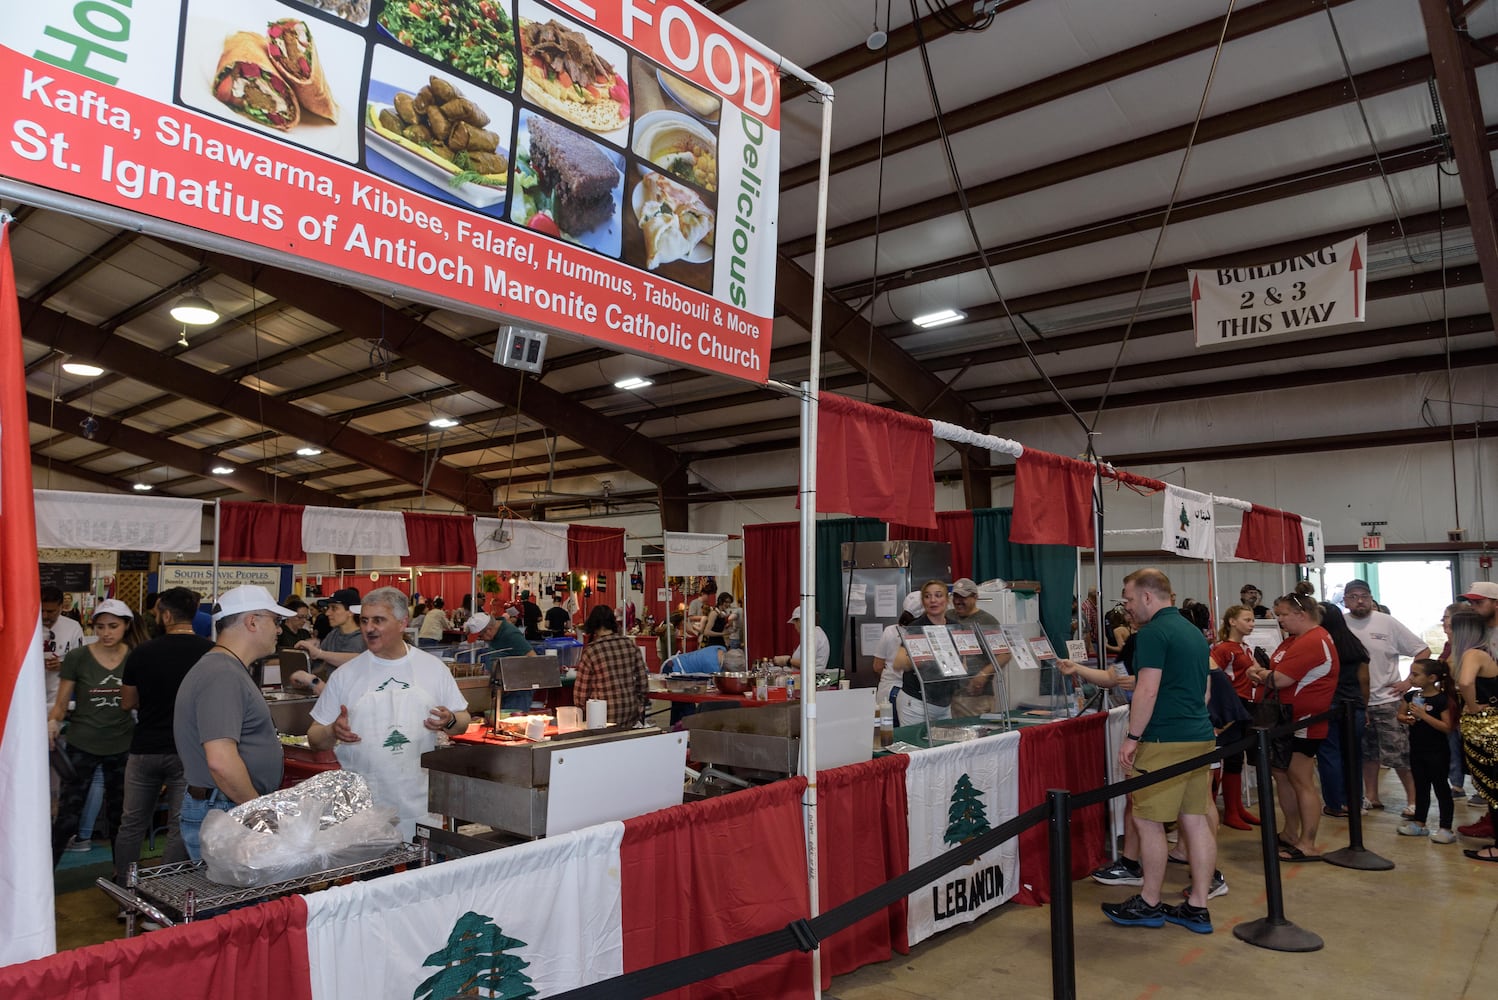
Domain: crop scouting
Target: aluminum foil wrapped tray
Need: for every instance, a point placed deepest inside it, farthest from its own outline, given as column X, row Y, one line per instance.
column 340, row 794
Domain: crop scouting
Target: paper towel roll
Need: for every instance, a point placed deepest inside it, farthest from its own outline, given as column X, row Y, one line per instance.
column 598, row 713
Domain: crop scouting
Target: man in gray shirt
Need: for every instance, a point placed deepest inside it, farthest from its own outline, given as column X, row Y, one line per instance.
column 224, row 733
column 976, row 696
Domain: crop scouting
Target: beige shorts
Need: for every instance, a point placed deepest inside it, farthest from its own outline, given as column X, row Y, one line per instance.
column 1189, row 793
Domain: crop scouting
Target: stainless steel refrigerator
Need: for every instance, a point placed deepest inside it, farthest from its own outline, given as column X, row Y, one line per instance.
column 875, row 570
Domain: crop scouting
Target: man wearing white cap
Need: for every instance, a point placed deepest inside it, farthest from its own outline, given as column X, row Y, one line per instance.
column 505, row 639
column 224, row 733
column 383, row 709
column 823, row 645
column 1483, row 596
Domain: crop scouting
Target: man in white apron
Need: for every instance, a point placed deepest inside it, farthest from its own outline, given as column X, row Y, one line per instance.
column 384, row 708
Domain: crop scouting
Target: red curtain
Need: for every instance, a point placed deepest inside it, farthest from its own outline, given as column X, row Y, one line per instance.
column 714, row 872
column 259, row 951
column 260, row 532
column 1061, row 755
column 863, row 842
column 955, row 527
column 1271, row 536
column 595, row 549
column 772, row 581
column 874, row 462
column 1052, row 501
column 440, row 540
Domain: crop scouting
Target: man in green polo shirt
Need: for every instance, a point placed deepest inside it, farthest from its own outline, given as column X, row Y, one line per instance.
column 1168, row 723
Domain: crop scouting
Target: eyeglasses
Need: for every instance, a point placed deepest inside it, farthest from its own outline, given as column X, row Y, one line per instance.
column 276, row 620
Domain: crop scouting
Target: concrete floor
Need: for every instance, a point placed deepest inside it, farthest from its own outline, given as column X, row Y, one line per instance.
column 1421, row 930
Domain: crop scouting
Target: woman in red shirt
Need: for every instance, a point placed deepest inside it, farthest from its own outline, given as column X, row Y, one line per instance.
column 1231, row 657
column 1304, row 669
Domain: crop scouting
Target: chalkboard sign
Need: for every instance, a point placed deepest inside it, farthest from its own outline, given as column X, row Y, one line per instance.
column 134, row 562
column 67, row 577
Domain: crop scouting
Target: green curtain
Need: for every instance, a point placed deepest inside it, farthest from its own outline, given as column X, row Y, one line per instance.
column 831, row 534
column 1055, row 566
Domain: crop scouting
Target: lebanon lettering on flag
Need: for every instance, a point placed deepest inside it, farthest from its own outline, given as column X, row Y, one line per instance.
column 953, row 794
column 531, row 920
column 27, row 927
column 1187, row 526
column 1326, row 287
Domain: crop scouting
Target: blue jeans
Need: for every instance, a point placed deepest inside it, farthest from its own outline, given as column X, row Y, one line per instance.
column 191, row 817
column 1457, row 773
column 145, row 774
column 92, row 803
column 1329, row 761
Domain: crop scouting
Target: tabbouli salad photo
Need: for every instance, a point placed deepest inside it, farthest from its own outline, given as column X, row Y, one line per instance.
column 474, row 37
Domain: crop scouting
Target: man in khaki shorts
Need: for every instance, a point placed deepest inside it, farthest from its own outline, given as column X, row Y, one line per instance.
column 1168, row 723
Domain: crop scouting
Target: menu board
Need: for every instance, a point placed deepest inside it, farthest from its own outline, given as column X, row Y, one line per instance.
column 1019, row 645
column 604, row 169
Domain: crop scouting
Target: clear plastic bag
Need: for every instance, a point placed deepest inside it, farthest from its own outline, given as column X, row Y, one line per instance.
column 240, row 856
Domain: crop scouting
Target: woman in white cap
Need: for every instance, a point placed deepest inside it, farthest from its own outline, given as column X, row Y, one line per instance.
column 889, row 645
column 99, row 730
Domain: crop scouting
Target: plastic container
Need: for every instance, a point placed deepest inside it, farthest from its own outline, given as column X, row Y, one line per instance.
column 568, row 651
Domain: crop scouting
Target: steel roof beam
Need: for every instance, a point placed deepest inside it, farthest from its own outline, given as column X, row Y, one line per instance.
column 1456, row 83
column 53, row 329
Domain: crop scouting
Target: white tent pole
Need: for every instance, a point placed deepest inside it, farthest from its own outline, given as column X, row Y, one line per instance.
column 218, row 513
column 810, row 396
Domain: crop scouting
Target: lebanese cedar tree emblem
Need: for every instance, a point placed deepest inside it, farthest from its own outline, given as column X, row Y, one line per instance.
column 966, row 817
column 476, row 963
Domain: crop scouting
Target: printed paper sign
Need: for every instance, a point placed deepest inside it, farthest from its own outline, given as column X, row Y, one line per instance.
column 886, row 601
column 1325, row 287
column 440, row 150
column 869, row 634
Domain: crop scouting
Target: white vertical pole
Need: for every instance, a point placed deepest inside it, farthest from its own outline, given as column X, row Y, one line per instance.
column 810, row 395
column 218, row 513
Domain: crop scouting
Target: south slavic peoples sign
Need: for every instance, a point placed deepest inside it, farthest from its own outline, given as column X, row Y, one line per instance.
column 604, row 169
column 1325, row 287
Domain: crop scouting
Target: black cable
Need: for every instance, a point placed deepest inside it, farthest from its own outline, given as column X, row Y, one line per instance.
column 967, row 214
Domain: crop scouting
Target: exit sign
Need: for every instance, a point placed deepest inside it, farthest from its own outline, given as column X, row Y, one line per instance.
column 1372, row 543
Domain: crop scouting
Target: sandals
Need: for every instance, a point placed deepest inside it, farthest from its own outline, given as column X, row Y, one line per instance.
column 1407, row 813
column 1334, row 813
column 1294, row 855
column 1488, row 854
column 1372, row 806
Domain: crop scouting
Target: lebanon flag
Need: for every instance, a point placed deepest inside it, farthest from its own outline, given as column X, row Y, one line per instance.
column 531, row 920
column 27, row 925
column 954, row 793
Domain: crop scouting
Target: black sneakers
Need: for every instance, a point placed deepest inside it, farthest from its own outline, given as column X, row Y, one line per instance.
column 1193, row 918
column 1135, row 912
column 1124, row 871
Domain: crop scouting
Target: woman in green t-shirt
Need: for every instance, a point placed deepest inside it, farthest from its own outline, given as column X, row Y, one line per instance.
column 99, row 730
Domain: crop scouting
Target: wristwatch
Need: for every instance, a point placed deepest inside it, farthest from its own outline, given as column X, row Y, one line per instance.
column 452, row 721
column 1131, row 736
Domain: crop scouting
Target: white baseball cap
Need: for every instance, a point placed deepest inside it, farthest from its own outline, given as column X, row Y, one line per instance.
column 913, row 602
column 248, row 598
column 478, row 623
column 113, row 607
column 1482, row 590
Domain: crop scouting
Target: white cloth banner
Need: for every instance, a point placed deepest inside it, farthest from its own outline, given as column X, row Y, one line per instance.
column 1315, row 552
column 689, row 554
column 1227, row 542
column 1187, row 525
column 531, row 920
column 67, row 520
column 1326, row 287
column 25, row 869
column 953, row 794
column 522, row 546
column 354, row 532
column 1113, row 737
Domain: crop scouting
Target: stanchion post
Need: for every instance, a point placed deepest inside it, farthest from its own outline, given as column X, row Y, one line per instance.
column 1354, row 855
column 1063, row 945
column 1273, row 931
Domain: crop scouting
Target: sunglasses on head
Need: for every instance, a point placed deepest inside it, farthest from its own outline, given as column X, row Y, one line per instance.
column 1301, row 601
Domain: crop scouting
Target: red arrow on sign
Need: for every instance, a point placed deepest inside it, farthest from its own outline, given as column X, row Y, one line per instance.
column 1196, row 295
column 1354, row 266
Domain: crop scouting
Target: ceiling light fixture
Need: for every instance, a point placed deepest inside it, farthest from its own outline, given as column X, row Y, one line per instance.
column 942, row 317
column 222, row 470
column 633, row 382
column 142, row 487
column 194, row 310
column 182, row 338
column 81, row 369
column 308, row 451
column 442, row 423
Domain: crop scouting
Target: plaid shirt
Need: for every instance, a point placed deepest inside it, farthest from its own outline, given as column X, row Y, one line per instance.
column 612, row 668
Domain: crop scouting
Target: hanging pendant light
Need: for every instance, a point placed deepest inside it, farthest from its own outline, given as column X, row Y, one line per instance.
column 194, row 310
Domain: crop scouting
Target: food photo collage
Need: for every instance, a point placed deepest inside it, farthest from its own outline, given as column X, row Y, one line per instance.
column 507, row 108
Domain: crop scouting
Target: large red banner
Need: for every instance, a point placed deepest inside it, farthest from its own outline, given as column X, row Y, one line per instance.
column 605, row 170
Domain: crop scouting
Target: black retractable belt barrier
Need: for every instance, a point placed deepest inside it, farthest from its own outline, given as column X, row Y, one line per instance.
column 1354, row 855
column 1063, row 962
column 1273, row 931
